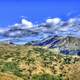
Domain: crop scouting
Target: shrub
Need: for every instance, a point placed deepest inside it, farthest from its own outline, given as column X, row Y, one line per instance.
column 11, row 67
column 46, row 77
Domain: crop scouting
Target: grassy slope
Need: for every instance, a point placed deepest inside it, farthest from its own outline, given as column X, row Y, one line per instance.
column 27, row 61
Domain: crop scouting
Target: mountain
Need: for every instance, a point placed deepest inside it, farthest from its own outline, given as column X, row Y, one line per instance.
column 37, row 52
column 67, row 45
column 26, row 32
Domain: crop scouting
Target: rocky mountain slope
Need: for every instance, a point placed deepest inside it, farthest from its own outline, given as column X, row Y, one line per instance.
column 67, row 45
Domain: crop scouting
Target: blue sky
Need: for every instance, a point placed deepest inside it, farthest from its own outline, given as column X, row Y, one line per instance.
column 37, row 10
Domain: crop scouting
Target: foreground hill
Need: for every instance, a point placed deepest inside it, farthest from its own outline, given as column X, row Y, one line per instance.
column 37, row 63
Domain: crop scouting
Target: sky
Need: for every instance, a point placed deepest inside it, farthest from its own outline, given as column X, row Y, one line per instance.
column 37, row 11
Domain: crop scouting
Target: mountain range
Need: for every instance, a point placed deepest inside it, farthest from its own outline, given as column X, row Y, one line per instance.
column 53, row 33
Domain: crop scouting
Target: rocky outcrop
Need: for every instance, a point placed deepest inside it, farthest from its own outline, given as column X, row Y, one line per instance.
column 67, row 45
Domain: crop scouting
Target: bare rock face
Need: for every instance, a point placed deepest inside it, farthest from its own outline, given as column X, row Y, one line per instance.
column 67, row 45
column 70, row 43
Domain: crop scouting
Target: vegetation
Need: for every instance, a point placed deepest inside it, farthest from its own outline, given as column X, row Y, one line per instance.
column 46, row 77
column 37, row 63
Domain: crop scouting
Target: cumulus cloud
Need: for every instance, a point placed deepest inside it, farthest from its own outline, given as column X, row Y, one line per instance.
column 71, row 20
column 27, row 23
column 53, row 21
column 2, row 30
column 64, row 29
column 16, row 24
column 15, row 33
column 4, row 39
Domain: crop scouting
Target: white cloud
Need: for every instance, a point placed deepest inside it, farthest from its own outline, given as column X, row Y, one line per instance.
column 64, row 29
column 4, row 39
column 2, row 30
column 16, row 24
column 71, row 20
column 12, row 34
column 74, row 20
column 53, row 21
column 15, row 33
column 27, row 23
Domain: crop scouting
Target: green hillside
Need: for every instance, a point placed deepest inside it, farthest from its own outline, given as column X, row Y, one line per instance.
column 37, row 63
